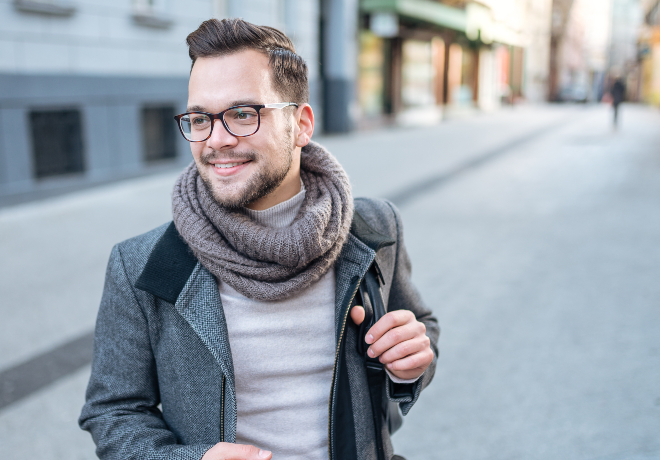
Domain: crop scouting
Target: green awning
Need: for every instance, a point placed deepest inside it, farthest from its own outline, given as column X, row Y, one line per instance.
column 421, row 10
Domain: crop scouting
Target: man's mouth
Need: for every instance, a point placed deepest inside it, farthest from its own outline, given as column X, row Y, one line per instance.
column 228, row 165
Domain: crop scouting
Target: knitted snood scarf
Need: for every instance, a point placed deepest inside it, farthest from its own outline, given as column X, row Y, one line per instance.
column 260, row 262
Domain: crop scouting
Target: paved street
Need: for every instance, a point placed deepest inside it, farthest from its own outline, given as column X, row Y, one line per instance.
column 535, row 237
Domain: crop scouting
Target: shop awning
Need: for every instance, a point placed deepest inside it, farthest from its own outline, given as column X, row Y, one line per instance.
column 475, row 20
column 421, row 10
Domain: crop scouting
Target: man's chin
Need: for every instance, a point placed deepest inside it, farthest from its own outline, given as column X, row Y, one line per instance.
column 232, row 204
column 232, row 199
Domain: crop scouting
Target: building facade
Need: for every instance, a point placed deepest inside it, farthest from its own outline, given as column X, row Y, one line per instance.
column 649, row 53
column 422, row 60
column 627, row 21
column 581, row 44
column 88, row 90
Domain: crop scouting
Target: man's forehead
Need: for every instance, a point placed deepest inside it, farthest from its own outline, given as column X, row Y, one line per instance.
column 202, row 108
column 218, row 82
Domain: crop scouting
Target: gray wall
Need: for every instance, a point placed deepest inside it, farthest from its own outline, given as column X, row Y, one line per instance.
column 110, row 109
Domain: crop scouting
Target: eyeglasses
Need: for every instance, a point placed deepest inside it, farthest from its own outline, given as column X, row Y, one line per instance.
column 239, row 121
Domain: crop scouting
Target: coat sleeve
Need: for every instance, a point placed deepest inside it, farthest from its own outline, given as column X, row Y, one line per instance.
column 121, row 409
column 404, row 295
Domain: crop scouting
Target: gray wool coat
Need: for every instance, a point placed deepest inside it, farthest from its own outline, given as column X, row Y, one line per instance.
column 162, row 382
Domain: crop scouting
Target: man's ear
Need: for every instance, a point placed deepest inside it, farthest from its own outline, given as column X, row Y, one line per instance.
column 305, row 125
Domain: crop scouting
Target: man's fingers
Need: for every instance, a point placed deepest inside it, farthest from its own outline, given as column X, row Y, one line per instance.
column 395, row 336
column 230, row 451
column 357, row 314
column 406, row 348
column 389, row 321
column 412, row 366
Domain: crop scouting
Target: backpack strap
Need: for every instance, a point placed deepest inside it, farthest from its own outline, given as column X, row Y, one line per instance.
column 370, row 296
column 372, row 301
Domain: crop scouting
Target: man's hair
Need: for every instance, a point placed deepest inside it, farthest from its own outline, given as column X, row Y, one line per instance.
column 229, row 36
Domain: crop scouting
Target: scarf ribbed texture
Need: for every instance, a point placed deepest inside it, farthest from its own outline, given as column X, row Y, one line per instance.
column 262, row 262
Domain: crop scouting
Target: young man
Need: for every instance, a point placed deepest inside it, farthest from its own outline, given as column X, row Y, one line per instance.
column 225, row 335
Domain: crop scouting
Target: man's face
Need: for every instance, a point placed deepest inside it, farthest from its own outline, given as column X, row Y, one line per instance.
column 241, row 171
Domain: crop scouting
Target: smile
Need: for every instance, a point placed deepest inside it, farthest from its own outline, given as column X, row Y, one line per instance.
column 228, row 165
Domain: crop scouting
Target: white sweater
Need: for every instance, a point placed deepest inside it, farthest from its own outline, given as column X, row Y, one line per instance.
column 283, row 353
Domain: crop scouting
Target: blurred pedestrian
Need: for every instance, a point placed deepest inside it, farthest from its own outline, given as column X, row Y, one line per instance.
column 226, row 333
column 618, row 92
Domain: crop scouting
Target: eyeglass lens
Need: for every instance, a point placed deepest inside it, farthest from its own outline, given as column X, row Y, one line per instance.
column 241, row 121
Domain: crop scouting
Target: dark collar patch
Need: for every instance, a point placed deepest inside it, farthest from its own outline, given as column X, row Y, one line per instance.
column 169, row 266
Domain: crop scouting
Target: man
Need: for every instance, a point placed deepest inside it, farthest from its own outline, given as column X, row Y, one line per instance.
column 618, row 92
column 225, row 334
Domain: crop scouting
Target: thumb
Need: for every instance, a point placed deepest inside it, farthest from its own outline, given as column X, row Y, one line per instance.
column 231, row 451
column 357, row 314
column 244, row 452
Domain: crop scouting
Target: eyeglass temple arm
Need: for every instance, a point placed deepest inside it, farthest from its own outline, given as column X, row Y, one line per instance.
column 279, row 105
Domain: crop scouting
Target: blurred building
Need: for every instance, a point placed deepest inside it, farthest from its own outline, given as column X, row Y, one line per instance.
column 627, row 20
column 579, row 50
column 649, row 53
column 420, row 58
column 88, row 89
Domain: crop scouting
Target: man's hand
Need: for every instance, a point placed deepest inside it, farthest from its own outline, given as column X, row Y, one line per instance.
column 400, row 342
column 229, row 451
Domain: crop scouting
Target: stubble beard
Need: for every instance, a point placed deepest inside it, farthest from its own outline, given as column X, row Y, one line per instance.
column 261, row 183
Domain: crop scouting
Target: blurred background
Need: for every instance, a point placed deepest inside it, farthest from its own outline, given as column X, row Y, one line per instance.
column 532, row 212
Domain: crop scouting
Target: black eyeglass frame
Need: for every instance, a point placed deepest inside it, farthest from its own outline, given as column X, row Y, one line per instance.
column 221, row 116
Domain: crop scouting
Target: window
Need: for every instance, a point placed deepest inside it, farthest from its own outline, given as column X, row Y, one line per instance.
column 57, row 146
column 159, row 133
column 46, row 7
column 151, row 13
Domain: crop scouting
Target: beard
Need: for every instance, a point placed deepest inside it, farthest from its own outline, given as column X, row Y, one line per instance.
column 262, row 182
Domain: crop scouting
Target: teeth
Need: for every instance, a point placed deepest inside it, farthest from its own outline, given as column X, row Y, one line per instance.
column 227, row 165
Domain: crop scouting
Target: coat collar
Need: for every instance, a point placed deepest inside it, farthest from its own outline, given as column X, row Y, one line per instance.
column 173, row 274
column 172, row 263
column 350, row 267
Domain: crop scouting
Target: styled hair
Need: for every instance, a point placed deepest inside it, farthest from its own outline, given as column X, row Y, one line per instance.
column 229, row 36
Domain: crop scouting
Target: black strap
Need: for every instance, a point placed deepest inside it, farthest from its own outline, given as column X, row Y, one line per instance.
column 375, row 377
column 372, row 301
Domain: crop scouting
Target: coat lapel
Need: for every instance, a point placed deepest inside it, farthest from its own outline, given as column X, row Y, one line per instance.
column 200, row 305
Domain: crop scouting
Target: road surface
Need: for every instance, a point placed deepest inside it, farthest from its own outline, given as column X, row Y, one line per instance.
column 535, row 237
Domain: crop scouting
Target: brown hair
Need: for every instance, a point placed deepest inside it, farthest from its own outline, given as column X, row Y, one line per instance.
column 228, row 36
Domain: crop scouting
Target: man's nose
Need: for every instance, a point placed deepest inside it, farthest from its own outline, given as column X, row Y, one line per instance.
column 220, row 137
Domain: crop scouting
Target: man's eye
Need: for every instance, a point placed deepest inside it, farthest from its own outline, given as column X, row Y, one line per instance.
column 244, row 114
column 200, row 121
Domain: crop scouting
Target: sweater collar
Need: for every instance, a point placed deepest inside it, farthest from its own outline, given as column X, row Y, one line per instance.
column 280, row 215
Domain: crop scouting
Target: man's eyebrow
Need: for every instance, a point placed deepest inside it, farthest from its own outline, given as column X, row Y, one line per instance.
column 199, row 108
column 244, row 102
